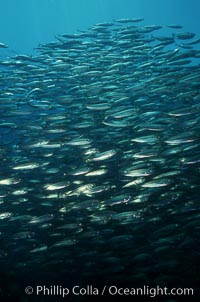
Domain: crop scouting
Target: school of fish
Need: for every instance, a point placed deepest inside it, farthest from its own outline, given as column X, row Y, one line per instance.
column 100, row 155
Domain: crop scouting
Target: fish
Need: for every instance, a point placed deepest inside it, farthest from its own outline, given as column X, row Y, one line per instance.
column 131, row 20
column 184, row 35
column 2, row 45
column 56, row 186
column 176, row 26
column 100, row 157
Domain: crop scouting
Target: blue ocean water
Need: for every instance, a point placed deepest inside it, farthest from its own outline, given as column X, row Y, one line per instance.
column 24, row 24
